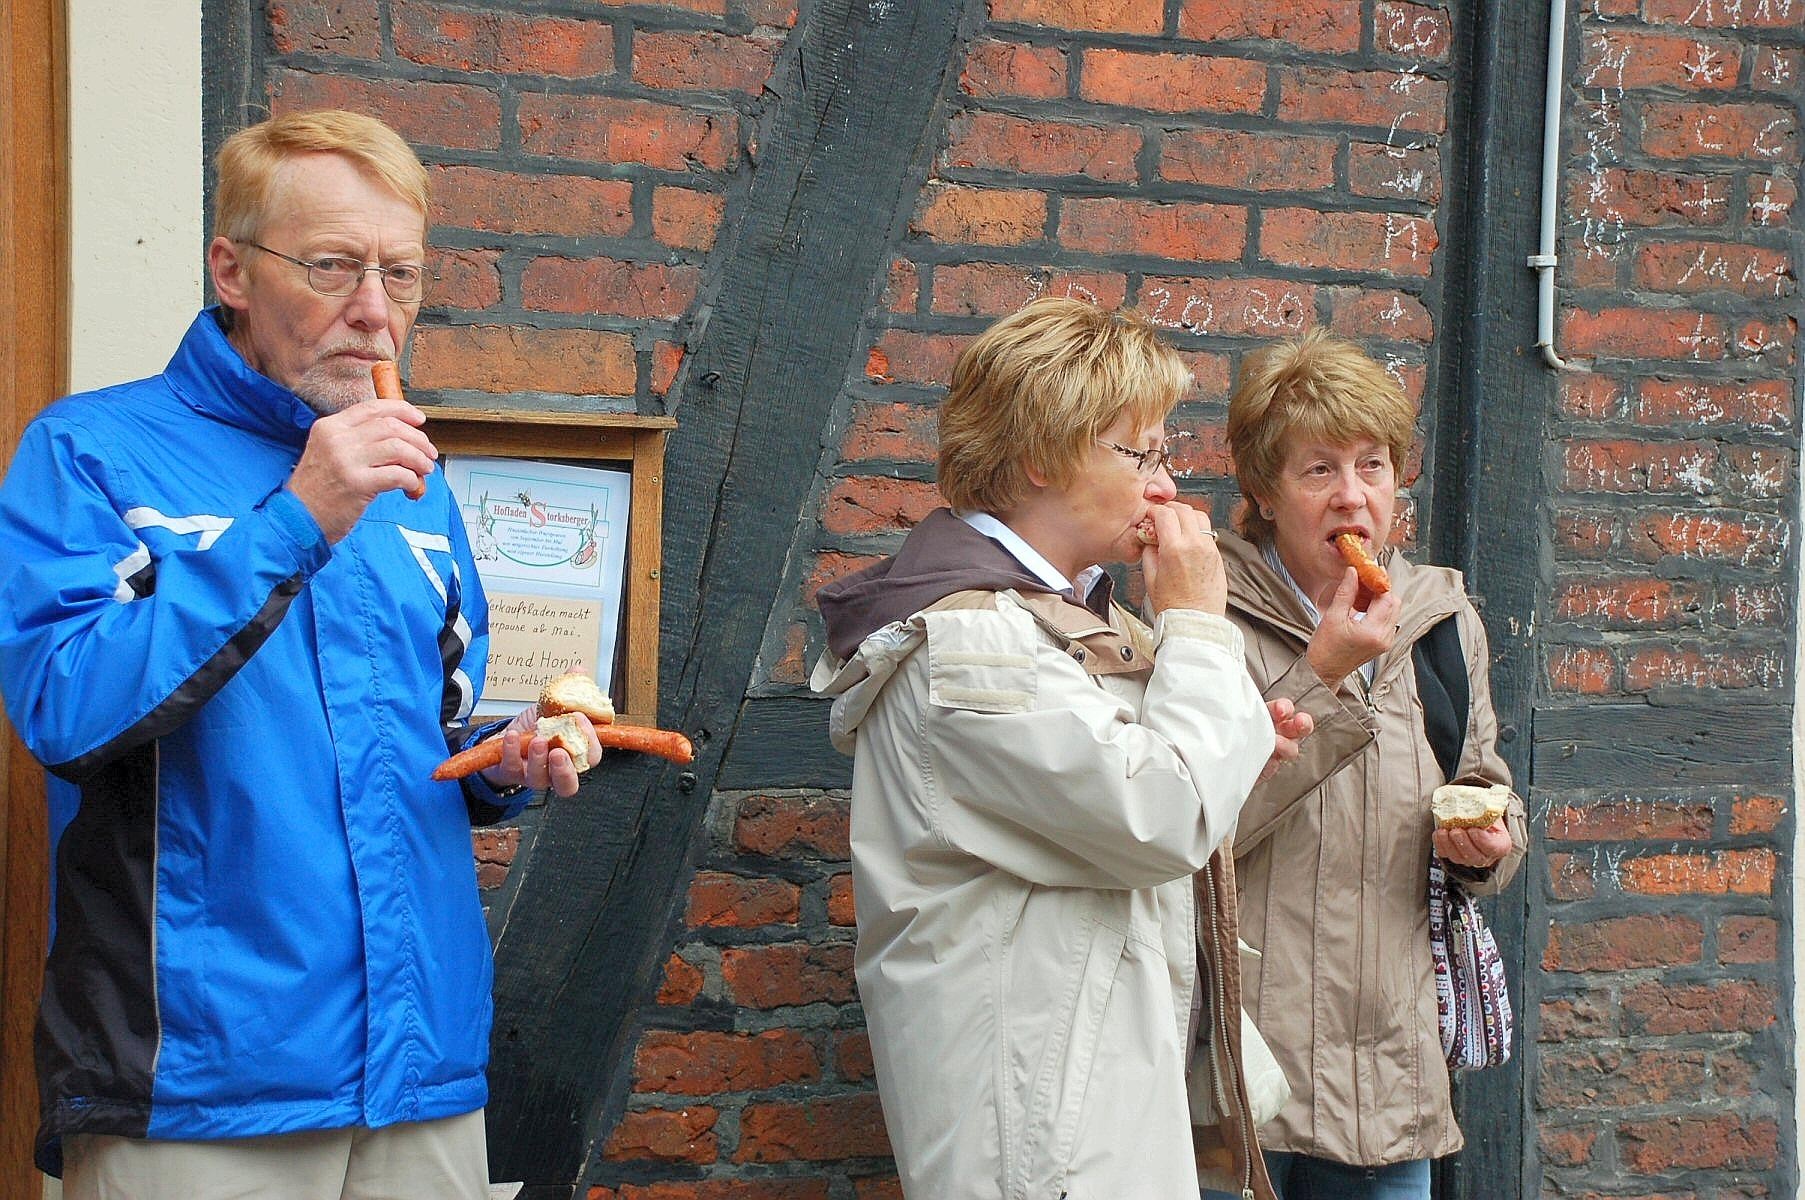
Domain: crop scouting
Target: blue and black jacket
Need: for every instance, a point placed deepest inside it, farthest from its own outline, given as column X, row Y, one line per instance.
column 265, row 915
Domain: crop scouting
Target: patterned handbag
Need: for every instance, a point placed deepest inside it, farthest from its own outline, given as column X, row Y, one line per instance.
column 1471, row 999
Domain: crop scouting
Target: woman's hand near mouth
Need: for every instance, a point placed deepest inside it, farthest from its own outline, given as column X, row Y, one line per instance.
column 1182, row 566
column 1346, row 637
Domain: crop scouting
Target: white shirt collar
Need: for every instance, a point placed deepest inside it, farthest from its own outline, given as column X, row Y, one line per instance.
column 1029, row 557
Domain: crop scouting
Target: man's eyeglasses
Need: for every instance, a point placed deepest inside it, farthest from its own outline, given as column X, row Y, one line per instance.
column 1147, row 462
column 337, row 276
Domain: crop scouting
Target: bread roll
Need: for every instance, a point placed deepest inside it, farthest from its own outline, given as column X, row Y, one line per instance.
column 576, row 693
column 565, row 730
column 1466, row 806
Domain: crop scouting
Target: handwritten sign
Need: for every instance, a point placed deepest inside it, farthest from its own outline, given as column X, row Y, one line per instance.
column 549, row 541
column 532, row 638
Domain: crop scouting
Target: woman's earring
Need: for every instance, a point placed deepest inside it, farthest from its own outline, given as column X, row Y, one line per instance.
column 1266, row 512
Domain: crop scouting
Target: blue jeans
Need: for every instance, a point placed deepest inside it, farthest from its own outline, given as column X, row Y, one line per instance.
column 1301, row 1177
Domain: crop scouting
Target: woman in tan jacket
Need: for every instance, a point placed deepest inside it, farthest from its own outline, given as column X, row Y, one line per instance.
column 1332, row 852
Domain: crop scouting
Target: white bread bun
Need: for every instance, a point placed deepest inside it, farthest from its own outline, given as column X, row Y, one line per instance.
column 576, row 693
column 564, row 730
column 1466, row 806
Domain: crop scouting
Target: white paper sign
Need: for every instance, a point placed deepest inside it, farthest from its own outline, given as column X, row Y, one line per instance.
column 550, row 543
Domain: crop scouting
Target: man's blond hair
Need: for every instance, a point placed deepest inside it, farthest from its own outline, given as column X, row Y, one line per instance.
column 251, row 159
column 1316, row 389
column 1036, row 389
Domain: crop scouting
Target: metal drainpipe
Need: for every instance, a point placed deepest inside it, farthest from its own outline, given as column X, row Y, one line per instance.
column 1545, row 259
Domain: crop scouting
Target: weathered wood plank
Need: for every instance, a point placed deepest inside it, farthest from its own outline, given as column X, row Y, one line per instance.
column 858, row 89
column 34, row 370
column 232, row 87
column 781, row 741
column 1628, row 746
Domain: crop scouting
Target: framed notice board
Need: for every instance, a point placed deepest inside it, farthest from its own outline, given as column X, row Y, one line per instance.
column 554, row 504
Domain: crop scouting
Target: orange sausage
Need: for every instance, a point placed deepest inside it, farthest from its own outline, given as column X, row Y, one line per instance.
column 387, row 378
column 479, row 757
column 662, row 742
column 1372, row 576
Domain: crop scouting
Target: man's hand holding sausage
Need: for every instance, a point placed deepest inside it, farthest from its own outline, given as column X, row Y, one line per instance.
column 530, row 760
column 356, row 454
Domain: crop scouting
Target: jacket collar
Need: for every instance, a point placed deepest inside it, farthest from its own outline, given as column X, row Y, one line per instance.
column 1101, row 646
column 941, row 555
column 212, row 377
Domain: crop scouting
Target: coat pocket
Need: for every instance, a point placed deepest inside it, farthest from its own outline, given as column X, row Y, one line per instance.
column 1061, row 1082
column 981, row 662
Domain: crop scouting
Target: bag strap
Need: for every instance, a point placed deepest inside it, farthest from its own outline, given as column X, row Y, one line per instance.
column 1441, row 685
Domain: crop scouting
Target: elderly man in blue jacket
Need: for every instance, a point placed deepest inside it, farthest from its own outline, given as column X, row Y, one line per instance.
column 239, row 644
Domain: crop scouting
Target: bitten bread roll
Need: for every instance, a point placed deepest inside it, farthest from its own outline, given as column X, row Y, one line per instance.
column 575, row 692
column 563, row 730
column 1466, row 806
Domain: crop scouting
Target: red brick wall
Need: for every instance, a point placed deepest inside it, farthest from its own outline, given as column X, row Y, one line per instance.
column 1664, row 1026
column 754, row 1065
column 1241, row 171
column 1179, row 160
column 580, row 167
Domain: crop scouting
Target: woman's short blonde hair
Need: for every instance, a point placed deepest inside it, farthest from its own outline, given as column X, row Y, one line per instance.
column 1316, row 388
column 250, row 160
column 1034, row 390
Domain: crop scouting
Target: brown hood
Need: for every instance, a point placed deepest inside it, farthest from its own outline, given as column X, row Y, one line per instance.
column 942, row 555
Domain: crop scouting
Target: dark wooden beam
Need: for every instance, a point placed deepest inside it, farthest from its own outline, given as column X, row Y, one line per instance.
column 1639, row 746
column 845, row 147
column 1489, row 431
column 781, row 741
column 232, row 89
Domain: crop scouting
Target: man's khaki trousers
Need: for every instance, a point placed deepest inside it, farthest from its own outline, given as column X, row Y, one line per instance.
column 427, row 1160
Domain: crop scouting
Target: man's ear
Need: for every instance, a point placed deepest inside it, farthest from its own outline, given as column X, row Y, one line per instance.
column 227, row 265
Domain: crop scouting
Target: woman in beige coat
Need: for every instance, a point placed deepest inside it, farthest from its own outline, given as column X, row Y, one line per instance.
column 1332, row 852
column 1037, row 776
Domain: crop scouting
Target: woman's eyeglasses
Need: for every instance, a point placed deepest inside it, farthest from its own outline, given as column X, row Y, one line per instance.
column 1147, row 462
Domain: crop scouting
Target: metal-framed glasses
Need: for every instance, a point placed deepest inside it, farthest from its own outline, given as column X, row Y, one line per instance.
column 1147, row 462
column 336, row 275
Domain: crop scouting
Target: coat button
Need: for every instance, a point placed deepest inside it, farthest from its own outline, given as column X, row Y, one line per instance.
column 1078, row 653
column 1127, row 653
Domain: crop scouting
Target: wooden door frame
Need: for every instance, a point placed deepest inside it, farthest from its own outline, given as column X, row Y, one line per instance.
column 34, row 370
